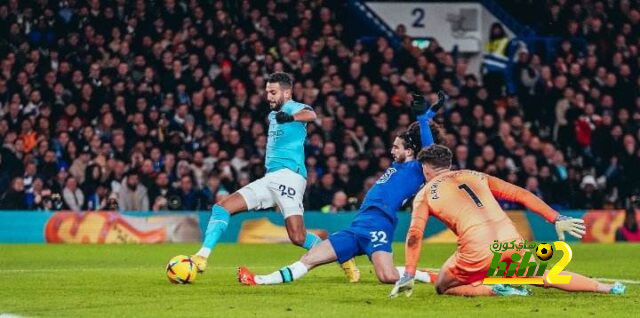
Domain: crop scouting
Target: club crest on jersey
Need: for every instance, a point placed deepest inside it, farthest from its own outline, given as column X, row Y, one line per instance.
column 387, row 174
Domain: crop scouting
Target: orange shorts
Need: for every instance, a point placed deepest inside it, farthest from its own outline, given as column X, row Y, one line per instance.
column 470, row 263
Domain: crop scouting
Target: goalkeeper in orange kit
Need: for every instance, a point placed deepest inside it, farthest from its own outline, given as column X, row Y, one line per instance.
column 465, row 201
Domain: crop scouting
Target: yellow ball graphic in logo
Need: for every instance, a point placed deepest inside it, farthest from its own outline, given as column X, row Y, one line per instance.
column 544, row 251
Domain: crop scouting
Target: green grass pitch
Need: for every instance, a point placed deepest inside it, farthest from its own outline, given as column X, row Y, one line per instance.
column 129, row 281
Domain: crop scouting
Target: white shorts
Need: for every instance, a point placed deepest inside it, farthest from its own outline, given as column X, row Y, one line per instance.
column 283, row 189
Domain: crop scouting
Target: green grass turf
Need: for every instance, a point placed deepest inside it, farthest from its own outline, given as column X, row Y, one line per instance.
column 129, row 281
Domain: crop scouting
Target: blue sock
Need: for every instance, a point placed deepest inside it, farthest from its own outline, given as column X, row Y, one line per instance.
column 311, row 240
column 286, row 275
column 217, row 225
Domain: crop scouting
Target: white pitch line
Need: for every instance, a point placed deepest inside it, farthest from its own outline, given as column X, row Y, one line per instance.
column 611, row 280
column 97, row 269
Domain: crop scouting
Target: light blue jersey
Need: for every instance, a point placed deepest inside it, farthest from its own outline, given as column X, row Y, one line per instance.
column 285, row 145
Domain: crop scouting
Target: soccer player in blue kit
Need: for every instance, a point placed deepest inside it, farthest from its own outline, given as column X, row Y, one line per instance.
column 285, row 180
column 371, row 232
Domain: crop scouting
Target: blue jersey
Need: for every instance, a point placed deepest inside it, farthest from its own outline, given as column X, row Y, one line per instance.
column 398, row 184
column 372, row 229
column 285, row 145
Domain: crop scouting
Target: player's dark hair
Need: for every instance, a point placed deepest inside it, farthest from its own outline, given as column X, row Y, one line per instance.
column 437, row 132
column 412, row 138
column 437, row 156
column 285, row 80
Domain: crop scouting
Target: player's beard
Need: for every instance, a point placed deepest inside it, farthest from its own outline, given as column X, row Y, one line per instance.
column 278, row 104
column 400, row 158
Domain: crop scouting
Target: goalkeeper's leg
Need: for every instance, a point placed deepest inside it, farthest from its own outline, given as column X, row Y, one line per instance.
column 451, row 281
column 579, row 283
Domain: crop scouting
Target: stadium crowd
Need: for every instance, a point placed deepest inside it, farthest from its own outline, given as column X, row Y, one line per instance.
column 154, row 105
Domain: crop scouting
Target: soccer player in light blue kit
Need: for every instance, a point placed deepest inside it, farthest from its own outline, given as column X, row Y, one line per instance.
column 371, row 232
column 285, row 181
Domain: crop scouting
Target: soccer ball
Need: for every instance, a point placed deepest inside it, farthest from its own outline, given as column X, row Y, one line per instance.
column 544, row 251
column 181, row 270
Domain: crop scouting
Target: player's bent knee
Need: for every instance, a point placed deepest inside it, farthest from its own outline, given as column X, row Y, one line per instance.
column 233, row 203
column 225, row 200
column 440, row 289
column 297, row 238
column 225, row 203
column 388, row 277
column 311, row 260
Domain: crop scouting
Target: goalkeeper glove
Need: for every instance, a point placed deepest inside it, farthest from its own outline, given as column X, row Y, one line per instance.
column 442, row 98
column 420, row 105
column 282, row 117
column 403, row 285
column 575, row 227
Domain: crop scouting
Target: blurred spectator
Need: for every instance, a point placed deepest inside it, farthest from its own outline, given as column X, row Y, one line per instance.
column 34, row 195
column 214, row 191
column 495, row 60
column 175, row 89
column 160, row 187
column 79, row 165
column 186, row 197
column 14, row 198
column 629, row 231
column 322, row 194
column 29, row 176
column 133, row 196
column 532, row 185
column 338, row 203
column 590, row 197
column 99, row 199
column 72, row 195
column 50, row 201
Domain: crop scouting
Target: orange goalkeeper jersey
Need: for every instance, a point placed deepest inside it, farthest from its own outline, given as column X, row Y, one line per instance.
column 466, row 202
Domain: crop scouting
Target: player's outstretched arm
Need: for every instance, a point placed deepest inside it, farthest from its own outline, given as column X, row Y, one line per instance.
column 305, row 114
column 507, row 191
column 513, row 193
column 425, row 112
column 413, row 245
column 426, row 136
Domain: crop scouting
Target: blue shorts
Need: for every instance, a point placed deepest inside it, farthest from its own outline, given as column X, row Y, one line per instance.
column 363, row 238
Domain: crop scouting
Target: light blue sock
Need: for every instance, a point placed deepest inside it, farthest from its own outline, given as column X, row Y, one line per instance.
column 217, row 225
column 311, row 240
